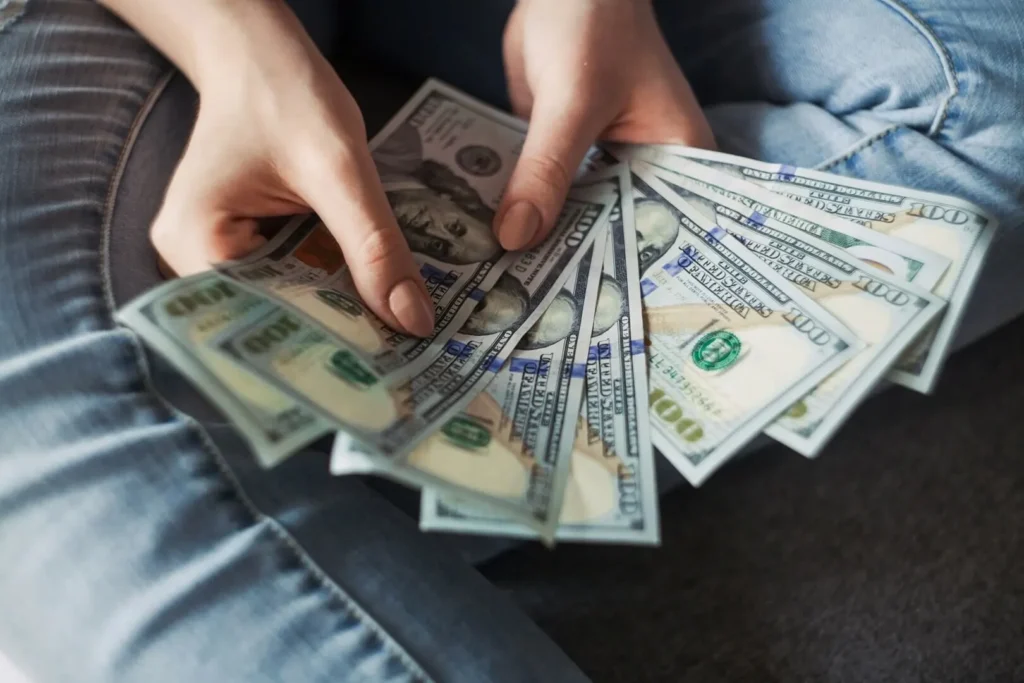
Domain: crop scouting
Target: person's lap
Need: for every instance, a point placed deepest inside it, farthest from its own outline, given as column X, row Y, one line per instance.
column 133, row 537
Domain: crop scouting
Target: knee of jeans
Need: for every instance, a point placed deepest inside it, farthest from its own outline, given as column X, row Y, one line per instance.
column 870, row 63
column 951, row 75
column 10, row 11
column 926, row 65
column 983, row 121
column 898, row 71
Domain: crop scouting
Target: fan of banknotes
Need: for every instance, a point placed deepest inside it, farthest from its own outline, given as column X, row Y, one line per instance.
column 685, row 302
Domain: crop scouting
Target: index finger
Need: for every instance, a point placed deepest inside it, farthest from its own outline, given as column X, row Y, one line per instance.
column 348, row 196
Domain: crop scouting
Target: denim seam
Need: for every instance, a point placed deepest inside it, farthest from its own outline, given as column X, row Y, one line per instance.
column 941, row 51
column 115, row 183
column 305, row 560
column 953, row 82
column 861, row 145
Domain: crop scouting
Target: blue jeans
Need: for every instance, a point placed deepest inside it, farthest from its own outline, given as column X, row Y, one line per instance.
column 138, row 540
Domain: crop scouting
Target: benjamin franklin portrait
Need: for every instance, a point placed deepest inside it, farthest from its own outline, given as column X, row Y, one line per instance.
column 444, row 217
column 656, row 229
column 441, row 228
column 504, row 307
column 561, row 319
column 611, row 305
column 507, row 305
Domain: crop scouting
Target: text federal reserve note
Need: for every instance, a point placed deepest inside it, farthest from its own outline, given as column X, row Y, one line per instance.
column 515, row 440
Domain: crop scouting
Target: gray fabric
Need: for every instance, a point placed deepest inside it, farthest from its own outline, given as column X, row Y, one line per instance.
column 896, row 556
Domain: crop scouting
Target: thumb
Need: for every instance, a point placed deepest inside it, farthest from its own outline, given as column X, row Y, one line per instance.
column 192, row 231
column 557, row 140
column 350, row 200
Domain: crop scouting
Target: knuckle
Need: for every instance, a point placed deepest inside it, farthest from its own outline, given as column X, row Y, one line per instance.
column 548, row 170
column 328, row 161
column 159, row 234
column 184, row 244
column 379, row 248
column 336, row 150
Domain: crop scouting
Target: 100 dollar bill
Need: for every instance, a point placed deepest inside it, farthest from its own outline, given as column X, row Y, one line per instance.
column 388, row 422
column 523, row 425
column 179, row 318
column 611, row 493
column 444, row 160
column 902, row 259
column 885, row 313
column 302, row 268
column 732, row 345
column 954, row 228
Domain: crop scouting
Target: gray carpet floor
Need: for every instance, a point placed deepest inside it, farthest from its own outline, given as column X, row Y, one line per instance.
column 898, row 555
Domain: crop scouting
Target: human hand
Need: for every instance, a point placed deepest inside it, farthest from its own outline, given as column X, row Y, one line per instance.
column 582, row 70
column 279, row 134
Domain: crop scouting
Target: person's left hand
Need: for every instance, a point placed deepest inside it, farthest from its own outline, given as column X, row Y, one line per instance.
column 582, row 70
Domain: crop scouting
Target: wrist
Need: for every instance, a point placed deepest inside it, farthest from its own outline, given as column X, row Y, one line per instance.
column 233, row 36
column 205, row 38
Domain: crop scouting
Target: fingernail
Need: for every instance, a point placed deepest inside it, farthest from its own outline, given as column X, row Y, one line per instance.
column 413, row 309
column 519, row 226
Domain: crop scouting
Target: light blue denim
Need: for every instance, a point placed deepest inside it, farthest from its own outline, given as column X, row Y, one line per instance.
column 138, row 540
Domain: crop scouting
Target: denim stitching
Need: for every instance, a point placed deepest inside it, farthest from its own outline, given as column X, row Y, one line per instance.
column 942, row 52
column 857, row 148
column 11, row 11
column 282, row 534
column 945, row 59
column 115, row 184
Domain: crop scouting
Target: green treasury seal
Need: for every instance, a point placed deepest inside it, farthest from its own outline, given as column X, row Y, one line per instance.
column 346, row 366
column 716, row 350
column 467, row 433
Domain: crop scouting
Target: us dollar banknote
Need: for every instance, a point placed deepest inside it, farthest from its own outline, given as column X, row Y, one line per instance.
column 732, row 343
column 444, row 160
column 905, row 260
column 954, row 228
column 302, row 268
column 389, row 422
column 887, row 314
column 179, row 318
column 515, row 440
column 611, row 493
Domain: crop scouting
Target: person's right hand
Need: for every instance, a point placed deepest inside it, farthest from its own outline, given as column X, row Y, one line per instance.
column 279, row 134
